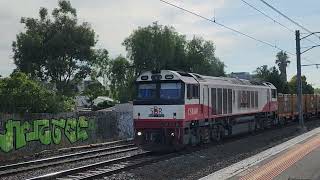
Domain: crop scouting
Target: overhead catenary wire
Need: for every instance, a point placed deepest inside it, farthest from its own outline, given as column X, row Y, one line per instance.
column 275, row 21
column 226, row 27
column 288, row 18
column 286, row 27
column 294, row 22
column 253, row 7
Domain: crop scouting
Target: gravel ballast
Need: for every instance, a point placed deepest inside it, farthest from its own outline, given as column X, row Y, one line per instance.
column 193, row 163
column 213, row 157
column 47, row 170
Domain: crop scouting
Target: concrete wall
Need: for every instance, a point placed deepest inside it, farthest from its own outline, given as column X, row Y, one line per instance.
column 124, row 116
column 24, row 135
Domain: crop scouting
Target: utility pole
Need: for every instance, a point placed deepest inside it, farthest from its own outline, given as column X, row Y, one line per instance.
column 299, row 83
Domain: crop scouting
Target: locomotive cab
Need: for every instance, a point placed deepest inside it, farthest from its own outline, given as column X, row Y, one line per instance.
column 159, row 109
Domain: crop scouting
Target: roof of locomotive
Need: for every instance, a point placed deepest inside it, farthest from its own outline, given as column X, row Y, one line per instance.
column 195, row 78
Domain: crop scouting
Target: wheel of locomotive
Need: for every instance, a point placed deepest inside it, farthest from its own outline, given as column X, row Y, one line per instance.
column 204, row 135
column 217, row 133
column 259, row 125
column 282, row 121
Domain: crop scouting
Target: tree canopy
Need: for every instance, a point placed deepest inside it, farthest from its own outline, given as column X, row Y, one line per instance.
column 157, row 47
column 93, row 90
column 56, row 48
column 273, row 76
column 122, row 79
column 306, row 87
column 20, row 94
column 282, row 62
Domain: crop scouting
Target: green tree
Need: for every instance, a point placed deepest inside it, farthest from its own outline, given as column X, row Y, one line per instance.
column 157, row 47
column 20, row 94
column 95, row 89
column 282, row 62
column 100, row 64
column 306, row 88
column 317, row 90
column 57, row 49
column 122, row 79
column 273, row 76
column 201, row 58
column 153, row 47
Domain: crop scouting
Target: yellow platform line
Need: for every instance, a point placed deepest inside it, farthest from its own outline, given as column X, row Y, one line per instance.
column 275, row 167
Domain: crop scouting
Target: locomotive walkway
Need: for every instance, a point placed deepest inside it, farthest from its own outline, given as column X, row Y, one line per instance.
column 298, row 158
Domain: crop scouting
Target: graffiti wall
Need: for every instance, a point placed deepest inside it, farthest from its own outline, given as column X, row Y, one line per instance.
column 17, row 133
column 23, row 135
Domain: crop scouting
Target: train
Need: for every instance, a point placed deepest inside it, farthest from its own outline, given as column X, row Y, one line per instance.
column 174, row 109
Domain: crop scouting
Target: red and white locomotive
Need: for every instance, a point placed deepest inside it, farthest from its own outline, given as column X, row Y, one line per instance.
column 174, row 108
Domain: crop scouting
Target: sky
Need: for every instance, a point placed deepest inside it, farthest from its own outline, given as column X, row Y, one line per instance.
column 114, row 20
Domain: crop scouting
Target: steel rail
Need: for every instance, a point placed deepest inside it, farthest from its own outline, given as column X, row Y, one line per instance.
column 82, row 169
column 30, row 165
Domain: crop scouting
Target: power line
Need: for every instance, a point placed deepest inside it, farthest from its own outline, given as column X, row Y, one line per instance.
column 226, row 27
column 308, row 60
column 286, row 27
column 253, row 7
column 294, row 22
column 285, row 16
column 317, row 65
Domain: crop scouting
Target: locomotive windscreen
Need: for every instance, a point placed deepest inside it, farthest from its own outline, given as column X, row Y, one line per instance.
column 161, row 92
column 170, row 90
column 147, row 91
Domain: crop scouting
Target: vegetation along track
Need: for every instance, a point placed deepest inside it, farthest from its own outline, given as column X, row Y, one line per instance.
column 67, row 158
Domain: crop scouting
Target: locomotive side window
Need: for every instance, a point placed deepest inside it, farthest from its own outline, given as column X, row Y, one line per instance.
column 196, row 91
column 193, row 91
column 274, row 93
column 189, row 91
column 147, row 91
column 225, row 101
column 214, row 100
column 170, row 90
column 219, row 101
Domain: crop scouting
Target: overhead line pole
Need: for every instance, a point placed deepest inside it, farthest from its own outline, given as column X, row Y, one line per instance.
column 299, row 81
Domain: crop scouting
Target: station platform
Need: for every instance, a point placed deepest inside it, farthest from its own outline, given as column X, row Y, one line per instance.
column 298, row 158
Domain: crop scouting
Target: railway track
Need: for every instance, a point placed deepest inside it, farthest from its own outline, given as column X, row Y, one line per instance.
column 107, row 168
column 100, row 169
column 67, row 158
column 103, row 168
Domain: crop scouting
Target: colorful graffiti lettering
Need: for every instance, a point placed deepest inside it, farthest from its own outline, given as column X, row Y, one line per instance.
column 17, row 133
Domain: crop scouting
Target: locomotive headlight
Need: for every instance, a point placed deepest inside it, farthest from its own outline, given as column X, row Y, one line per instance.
column 172, row 134
column 139, row 133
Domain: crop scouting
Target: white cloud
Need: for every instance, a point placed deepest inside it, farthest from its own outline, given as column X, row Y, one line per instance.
column 113, row 21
